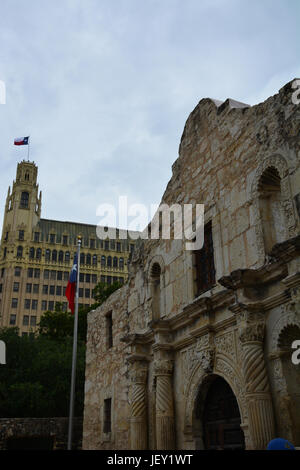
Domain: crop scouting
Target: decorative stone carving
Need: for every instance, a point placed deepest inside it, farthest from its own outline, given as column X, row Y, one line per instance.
column 138, row 408
column 206, row 359
column 260, row 408
column 164, row 409
column 225, row 344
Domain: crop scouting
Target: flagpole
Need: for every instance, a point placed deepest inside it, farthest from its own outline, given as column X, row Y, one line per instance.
column 74, row 356
column 28, row 149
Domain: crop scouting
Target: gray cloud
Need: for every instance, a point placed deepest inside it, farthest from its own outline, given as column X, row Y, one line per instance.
column 104, row 87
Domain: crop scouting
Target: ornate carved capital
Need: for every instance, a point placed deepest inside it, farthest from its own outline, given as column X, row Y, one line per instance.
column 252, row 332
column 163, row 367
column 139, row 372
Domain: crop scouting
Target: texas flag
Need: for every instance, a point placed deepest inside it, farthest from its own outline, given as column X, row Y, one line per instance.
column 21, row 140
column 71, row 287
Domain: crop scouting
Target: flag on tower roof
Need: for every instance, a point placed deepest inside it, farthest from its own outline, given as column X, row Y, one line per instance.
column 21, row 140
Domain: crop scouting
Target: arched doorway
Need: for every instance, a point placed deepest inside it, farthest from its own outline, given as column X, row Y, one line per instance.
column 221, row 420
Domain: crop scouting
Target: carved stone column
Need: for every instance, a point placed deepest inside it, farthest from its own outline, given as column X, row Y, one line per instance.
column 138, row 418
column 258, row 396
column 165, row 425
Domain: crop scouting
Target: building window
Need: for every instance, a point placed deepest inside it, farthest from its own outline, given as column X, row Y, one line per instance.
column 39, row 253
column 67, row 257
column 37, row 273
column 51, row 305
column 94, row 278
column 31, row 253
column 25, row 320
column 45, row 289
column 54, row 255
column 112, row 245
column 27, row 304
column 65, row 239
column 17, row 271
column 103, row 279
column 107, row 416
column 12, row 319
column 103, row 261
column 88, row 259
column 81, row 277
column 66, row 275
column 46, row 274
column 121, row 263
column 36, row 288
column 87, row 293
column 47, row 255
column 59, row 275
column 52, row 290
column 121, row 280
column 33, row 320
column 82, row 258
column 115, row 262
column 14, row 303
column 87, row 278
column 58, row 290
column 24, row 200
column 21, row 235
column 61, row 256
column 44, row 305
column 28, row 288
column 95, row 260
column 16, row 286
column 52, row 238
column 118, row 246
column 92, row 243
column 109, row 330
column 36, row 236
column 4, row 253
column 19, row 252
column 53, row 275
column 34, row 304
column 109, row 261
column 64, row 306
column 106, row 245
column 204, row 263
column 108, row 280
column 3, row 271
column 80, row 292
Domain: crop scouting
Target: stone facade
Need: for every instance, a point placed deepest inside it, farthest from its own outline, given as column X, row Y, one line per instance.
column 173, row 343
column 55, row 430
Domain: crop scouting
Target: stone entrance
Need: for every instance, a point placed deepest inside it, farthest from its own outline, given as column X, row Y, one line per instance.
column 221, row 418
column 217, row 420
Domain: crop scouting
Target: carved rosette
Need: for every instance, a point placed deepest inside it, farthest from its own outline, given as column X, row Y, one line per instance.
column 260, row 408
column 165, row 426
column 138, row 409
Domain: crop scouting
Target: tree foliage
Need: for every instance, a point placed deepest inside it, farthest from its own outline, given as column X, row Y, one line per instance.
column 35, row 381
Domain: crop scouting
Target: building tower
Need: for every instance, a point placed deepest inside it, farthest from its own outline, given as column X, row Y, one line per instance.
column 36, row 256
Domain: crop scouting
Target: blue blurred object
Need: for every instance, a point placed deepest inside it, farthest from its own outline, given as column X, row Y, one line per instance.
column 280, row 444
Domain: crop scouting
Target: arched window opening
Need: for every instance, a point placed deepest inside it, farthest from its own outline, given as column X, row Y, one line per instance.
column 39, row 253
column 61, row 256
column 121, row 263
column 103, row 261
column 94, row 260
column 19, row 252
column 115, row 262
column 88, row 259
column 54, row 255
column 109, row 261
column 31, row 253
column 271, row 211
column 82, row 258
column 67, row 257
column 156, row 290
column 47, row 255
column 26, row 176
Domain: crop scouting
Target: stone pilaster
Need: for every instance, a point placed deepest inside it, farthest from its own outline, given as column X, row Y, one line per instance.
column 165, row 425
column 138, row 418
column 258, row 396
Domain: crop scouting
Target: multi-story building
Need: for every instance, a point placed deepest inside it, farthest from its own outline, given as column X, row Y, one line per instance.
column 36, row 256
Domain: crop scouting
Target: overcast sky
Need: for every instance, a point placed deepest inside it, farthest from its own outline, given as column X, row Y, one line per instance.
column 104, row 87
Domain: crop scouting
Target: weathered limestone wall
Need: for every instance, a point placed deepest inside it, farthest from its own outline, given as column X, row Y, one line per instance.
column 169, row 351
